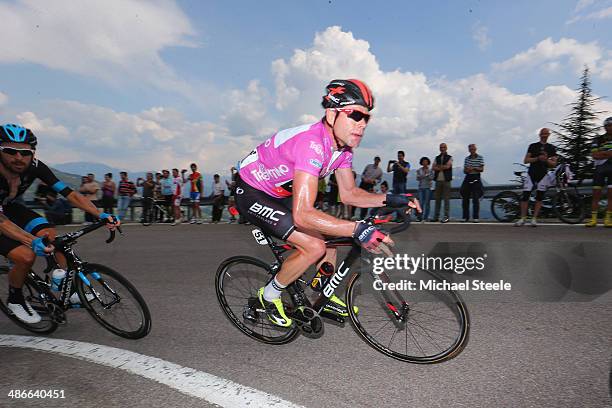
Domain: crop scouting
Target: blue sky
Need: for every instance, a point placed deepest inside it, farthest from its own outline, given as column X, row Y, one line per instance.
column 147, row 85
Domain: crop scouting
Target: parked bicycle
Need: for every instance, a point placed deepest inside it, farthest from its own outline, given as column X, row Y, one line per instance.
column 565, row 202
column 424, row 328
column 153, row 211
column 108, row 297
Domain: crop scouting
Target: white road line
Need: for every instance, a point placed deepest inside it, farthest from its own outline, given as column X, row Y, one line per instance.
column 187, row 380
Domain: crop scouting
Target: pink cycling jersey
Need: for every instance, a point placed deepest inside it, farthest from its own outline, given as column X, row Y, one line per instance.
column 272, row 165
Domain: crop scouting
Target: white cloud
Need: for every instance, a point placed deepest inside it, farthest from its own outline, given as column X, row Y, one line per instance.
column 578, row 54
column 115, row 40
column 3, row 99
column 595, row 15
column 480, row 34
column 153, row 139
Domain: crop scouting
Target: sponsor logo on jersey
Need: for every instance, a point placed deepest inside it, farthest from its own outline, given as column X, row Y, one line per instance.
column 239, row 190
column 264, row 174
column 265, row 211
column 317, row 148
column 316, row 163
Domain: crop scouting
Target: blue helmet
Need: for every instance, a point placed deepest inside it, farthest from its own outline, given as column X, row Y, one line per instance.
column 11, row 133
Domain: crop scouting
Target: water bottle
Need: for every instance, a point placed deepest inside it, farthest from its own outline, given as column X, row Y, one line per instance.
column 57, row 277
column 326, row 270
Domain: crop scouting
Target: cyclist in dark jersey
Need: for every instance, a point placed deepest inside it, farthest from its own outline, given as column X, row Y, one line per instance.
column 278, row 183
column 601, row 151
column 23, row 230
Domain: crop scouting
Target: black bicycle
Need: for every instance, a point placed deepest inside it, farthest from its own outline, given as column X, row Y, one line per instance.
column 565, row 203
column 424, row 327
column 108, row 297
column 153, row 211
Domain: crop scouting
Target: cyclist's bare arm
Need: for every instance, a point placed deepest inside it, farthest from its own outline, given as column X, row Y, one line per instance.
column 307, row 217
column 350, row 194
column 13, row 231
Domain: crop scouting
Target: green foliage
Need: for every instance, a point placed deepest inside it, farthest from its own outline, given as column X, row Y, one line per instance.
column 578, row 130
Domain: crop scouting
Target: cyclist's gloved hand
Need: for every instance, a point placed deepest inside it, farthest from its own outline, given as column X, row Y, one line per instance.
column 402, row 200
column 368, row 236
column 111, row 220
column 40, row 246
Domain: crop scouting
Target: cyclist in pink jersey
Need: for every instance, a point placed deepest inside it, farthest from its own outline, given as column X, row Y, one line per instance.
column 278, row 182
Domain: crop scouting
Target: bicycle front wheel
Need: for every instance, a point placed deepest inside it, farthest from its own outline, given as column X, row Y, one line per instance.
column 569, row 207
column 422, row 327
column 113, row 301
column 38, row 295
column 237, row 281
column 505, row 206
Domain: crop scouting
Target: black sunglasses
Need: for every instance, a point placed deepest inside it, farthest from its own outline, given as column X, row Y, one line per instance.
column 12, row 151
column 355, row 114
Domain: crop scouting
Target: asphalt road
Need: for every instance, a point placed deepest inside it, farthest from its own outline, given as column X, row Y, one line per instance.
column 546, row 344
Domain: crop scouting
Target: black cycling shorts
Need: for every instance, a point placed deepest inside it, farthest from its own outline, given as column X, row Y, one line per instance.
column 603, row 175
column 25, row 218
column 272, row 215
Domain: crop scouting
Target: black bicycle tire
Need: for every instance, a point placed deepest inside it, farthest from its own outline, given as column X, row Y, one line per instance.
column 561, row 216
column 53, row 325
column 143, row 330
column 452, row 352
column 507, row 193
column 290, row 335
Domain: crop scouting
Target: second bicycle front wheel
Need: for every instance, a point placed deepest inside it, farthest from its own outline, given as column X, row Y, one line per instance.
column 237, row 281
column 569, row 207
column 113, row 301
column 422, row 327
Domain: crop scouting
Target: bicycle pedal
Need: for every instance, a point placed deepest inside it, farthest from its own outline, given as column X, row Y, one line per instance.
column 304, row 314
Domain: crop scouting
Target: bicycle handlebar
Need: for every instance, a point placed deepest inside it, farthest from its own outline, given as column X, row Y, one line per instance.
column 63, row 240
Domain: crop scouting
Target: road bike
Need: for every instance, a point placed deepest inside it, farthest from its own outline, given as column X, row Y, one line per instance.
column 153, row 211
column 108, row 297
column 423, row 327
column 565, row 203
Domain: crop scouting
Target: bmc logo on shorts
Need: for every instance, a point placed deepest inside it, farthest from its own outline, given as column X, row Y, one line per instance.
column 265, row 212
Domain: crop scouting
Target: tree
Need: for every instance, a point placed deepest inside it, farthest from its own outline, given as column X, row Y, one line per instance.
column 578, row 130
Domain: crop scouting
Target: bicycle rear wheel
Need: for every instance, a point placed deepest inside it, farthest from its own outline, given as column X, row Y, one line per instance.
column 237, row 281
column 569, row 207
column 37, row 295
column 113, row 301
column 422, row 327
column 505, row 206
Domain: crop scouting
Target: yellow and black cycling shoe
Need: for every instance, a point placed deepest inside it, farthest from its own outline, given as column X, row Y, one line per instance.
column 274, row 310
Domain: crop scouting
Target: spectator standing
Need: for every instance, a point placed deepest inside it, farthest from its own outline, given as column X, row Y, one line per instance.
column 384, row 189
column 443, row 174
column 218, row 197
column 400, row 169
column 321, row 193
column 127, row 189
column 540, row 156
column 195, row 192
column 372, row 174
column 167, row 192
column 158, row 197
column 108, row 193
column 424, row 176
column 148, row 190
column 89, row 189
column 471, row 188
column 177, row 196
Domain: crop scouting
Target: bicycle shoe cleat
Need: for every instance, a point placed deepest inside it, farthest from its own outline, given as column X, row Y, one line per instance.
column 337, row 306
column 274, row 310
